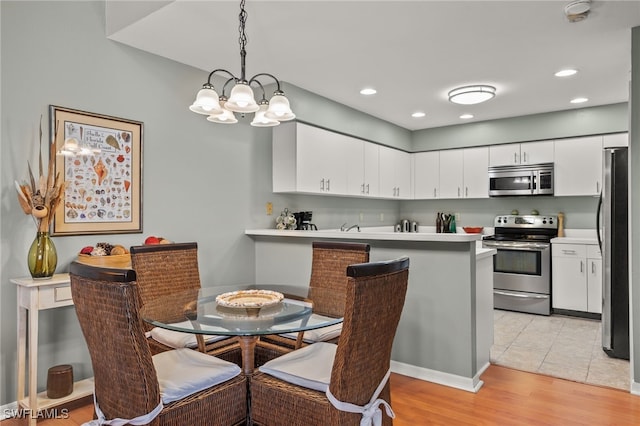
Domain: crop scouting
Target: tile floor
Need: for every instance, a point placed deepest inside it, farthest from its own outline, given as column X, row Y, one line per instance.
column 559, row 346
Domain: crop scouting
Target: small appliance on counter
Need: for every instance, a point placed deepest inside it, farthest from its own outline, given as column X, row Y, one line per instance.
column 407, row 225
column 303, row 220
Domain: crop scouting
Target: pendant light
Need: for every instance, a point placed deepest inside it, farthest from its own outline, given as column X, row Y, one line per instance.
column 221, row 109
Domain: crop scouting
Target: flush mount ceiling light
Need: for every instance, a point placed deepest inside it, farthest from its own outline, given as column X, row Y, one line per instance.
column 577, row 11
column 220, row 109
column 469, row 95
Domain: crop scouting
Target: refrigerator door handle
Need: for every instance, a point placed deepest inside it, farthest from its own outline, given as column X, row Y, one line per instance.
column 598, row 211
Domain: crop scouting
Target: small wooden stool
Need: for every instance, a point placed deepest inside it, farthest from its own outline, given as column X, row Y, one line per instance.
column 59, row 381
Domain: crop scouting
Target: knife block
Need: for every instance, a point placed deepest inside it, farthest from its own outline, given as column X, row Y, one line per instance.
column 560, row 224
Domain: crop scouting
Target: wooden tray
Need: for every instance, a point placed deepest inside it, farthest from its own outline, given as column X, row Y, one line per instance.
column 114, row 261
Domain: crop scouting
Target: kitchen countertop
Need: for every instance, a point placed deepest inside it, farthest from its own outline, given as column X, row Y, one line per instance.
column 381, row 233
column 577, row 236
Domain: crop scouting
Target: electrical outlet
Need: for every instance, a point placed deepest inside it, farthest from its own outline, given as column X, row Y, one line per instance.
column 381, row 217
column 361, row 217
column 457, row 217
column 269, row 208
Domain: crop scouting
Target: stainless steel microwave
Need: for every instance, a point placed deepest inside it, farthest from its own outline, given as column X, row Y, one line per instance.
column 529, row 179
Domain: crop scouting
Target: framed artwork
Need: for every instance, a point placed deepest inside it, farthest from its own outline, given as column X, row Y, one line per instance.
column 100, row 160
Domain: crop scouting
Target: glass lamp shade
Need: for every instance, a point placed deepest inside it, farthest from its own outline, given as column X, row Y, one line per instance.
column 207, row 102
column 259, row 120
column 470, row 95
column 279, row 109
column 241, row 99
column 226, row 117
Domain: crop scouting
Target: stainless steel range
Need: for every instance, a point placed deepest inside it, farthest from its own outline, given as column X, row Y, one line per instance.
column 522, row 266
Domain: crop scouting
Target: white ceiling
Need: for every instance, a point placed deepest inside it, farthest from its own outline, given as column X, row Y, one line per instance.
column 412, row 52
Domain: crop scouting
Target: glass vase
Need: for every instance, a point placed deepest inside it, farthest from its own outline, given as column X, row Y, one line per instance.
column 43, row 257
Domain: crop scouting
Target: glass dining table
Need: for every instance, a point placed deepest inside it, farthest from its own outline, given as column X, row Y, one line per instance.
column 246, row 311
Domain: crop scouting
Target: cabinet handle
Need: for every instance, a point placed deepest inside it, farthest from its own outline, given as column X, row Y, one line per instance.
column 581, row 266
column 515, row 158
column 597, row 187
column 434, row 193
column 458, row 192
column 524, row 157
column 328, row 184
column 466, row 191
column 568, row 251
column 367, row 188
column 398, row 191
column 362, row 188
column 593, row 267
column 322, row 185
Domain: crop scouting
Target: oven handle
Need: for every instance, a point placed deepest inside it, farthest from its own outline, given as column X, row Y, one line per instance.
column 521, row 295
column 516, row 246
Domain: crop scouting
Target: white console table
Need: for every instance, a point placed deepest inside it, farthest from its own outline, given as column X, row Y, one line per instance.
column 34, row 296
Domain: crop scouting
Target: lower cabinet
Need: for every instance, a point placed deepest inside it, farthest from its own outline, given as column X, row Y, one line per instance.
column 577, row 277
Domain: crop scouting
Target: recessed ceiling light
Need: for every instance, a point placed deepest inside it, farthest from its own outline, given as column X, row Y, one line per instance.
column 368, row 91
column 566, row 72
column 470, row 95
column 466, row 116
column 579, row 100
column 418, row 114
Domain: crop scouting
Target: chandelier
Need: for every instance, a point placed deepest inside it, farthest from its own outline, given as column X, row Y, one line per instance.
column 221, row 109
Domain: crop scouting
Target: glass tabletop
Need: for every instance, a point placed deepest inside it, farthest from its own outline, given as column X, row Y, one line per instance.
column 245, row 310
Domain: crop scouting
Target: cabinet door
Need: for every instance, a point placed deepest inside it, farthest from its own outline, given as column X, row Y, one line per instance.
column 371, row 169
column 395, row 173
column 569, row 283
column 504, row 155
column 426, row 175
column 451, row 173
column 578, row 166
column 403, row 175
column 594, row 286
column 314, row 148
column 616, row 140
column 476, row 179
column 536, row 152
column 354, row 150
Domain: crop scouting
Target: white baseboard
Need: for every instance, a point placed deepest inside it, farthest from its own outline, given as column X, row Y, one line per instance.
column 635, row 388
column 452, row 380
column 7, row 410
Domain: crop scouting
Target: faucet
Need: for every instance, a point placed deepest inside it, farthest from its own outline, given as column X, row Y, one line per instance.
column 344, row 227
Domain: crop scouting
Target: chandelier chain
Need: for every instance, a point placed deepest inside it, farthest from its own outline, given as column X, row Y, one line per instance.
column 243, row 19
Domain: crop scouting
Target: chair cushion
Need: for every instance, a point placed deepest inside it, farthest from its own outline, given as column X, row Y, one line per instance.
column 183, row 372
column 177, row 339
column 319, row 334
column 309, row 367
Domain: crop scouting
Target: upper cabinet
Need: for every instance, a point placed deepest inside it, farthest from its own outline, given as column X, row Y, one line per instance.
column 362, row 173
column 578, row 166
column 521, row 153
column 616, row 140
column 395, row 173
column 426, row 175
column 452, row 173
column 309, row 159
column 463, row 173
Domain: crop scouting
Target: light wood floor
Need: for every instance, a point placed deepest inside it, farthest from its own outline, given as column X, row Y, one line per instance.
column 508, row 397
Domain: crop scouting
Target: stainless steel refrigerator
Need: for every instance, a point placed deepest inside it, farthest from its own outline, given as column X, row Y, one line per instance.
column 613, row 238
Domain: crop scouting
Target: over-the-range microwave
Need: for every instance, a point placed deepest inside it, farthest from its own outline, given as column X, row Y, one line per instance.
column 526, row 179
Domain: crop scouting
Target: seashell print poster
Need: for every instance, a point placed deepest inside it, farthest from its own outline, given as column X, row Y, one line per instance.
column 100, row 158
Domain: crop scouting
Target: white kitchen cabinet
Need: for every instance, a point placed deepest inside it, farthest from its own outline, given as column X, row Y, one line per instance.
column 452, row 173
column 363, row 170
column 577, row 277
column 578, row 166
column 521, row 153
column 309, row 159
column 463, row 173
column 395, row 173
column 475, row 166
column 426, row 175
column 616, row 140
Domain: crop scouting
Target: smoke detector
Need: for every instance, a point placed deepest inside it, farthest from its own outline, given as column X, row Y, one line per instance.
column 578, row 10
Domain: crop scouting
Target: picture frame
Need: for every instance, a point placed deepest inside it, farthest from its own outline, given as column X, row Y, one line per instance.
column 99, row 158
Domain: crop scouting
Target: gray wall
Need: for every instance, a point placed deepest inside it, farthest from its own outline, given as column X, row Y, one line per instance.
column 202, row 182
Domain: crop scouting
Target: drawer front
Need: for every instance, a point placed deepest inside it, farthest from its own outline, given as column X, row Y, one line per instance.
column 593, row 252
column 55, row 297
column 569, row 250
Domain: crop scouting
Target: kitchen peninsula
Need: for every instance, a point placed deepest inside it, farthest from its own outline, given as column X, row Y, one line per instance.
column 446, row 329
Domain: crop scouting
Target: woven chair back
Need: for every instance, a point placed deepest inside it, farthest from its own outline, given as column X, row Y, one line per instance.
column 107, row 305
column 327, row 287
column 168, row 279
column 375, row 298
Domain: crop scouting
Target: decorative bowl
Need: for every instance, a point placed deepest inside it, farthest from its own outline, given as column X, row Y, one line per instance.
column 122, row 261
column 473, row 229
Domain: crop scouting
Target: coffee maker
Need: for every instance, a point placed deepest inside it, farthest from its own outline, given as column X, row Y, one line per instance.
column 303, row 220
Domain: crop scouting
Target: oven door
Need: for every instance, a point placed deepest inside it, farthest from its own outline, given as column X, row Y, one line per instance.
column 521, row 266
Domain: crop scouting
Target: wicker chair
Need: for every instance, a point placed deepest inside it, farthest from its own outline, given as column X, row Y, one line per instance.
column 327, row 293
column 170, row 272
column 298, row 386
column 129, row 382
